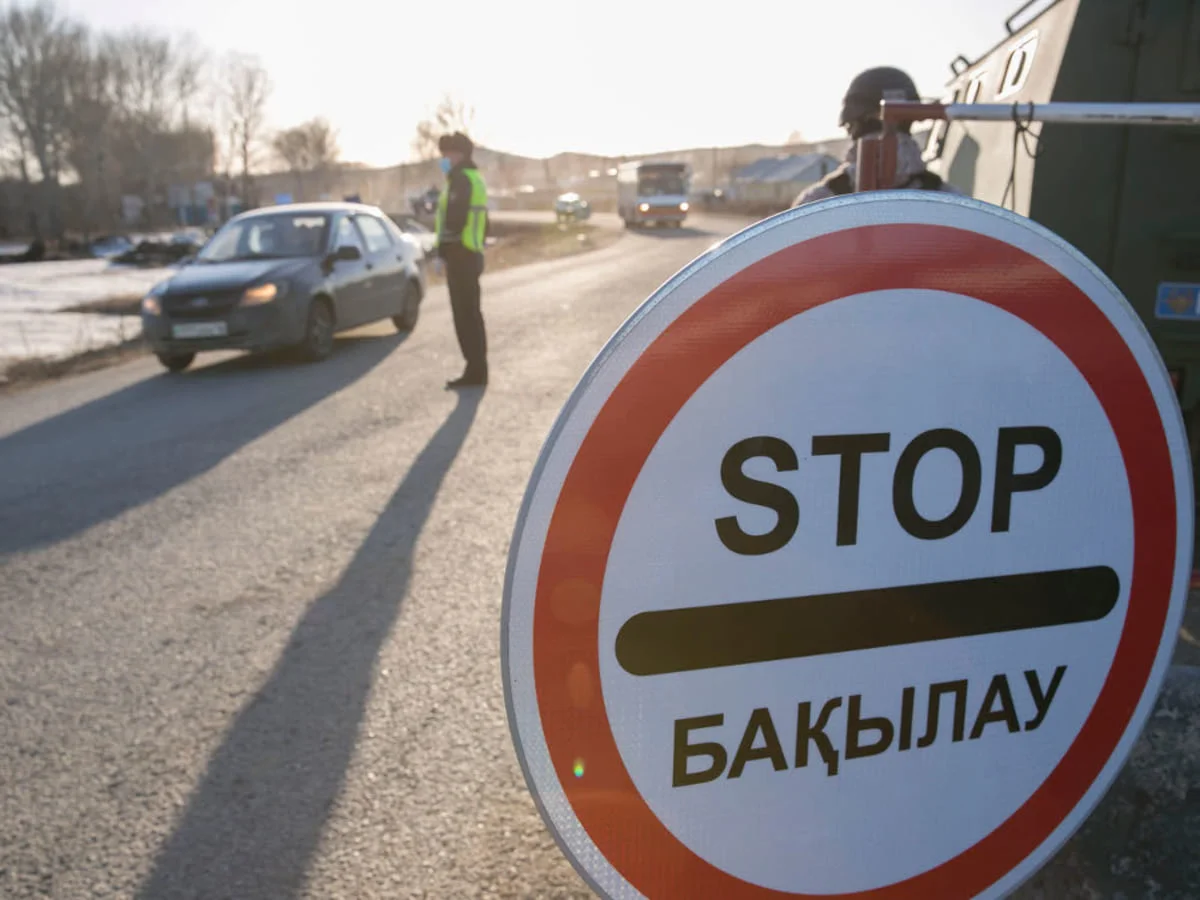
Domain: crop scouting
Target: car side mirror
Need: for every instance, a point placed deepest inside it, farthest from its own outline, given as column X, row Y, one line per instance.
column 347, row 253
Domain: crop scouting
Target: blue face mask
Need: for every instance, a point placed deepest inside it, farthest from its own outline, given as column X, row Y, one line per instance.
column 445, row 164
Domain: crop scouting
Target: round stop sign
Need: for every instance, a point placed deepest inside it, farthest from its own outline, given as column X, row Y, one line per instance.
column 853, row 565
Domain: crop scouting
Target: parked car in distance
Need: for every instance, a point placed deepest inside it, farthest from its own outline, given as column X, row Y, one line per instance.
column 570, row 207
column 286, row 276
column 110, row 246
column 193, row 236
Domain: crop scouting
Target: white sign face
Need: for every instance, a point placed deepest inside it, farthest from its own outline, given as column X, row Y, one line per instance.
column 854, row 564
column 820, row 436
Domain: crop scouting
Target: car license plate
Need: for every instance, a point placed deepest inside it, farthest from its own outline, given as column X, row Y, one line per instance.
column 200, row 330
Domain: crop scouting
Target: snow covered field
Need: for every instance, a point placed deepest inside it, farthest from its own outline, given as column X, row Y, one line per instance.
column 56, row 335
column 34, row 298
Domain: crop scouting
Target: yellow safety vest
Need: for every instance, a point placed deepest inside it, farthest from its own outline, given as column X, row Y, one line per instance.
column 475, row 230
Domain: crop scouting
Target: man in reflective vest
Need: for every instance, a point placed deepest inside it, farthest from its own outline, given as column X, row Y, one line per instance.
column 461, row 229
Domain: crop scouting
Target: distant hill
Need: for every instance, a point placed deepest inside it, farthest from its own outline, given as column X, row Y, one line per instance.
column 513, row 178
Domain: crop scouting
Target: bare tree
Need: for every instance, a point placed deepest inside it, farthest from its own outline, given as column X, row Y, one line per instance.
column 215, row 102
column 11, row 150
column 142, row 81
column 123, row 112
column 157, row 80
column 451, row 114
column 142, row 84
column 307, row 149
column 37, row 46
column 248, row 87
column 324, row 152
column 14, row 162
column 322, row 143
column 93, row 88
column 291, row 148
column 187, row 77
column 308, row 146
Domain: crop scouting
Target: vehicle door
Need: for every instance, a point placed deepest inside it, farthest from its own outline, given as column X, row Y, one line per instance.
column 387, row 285
column 352, row 280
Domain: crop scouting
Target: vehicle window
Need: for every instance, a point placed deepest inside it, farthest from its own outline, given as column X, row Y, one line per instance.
column 377, row 237
column 276, row 235
column 223, row 245
column 1020, row 61
column 347, row 235
column 660, row 183
column 974, row 88
column 396, row 231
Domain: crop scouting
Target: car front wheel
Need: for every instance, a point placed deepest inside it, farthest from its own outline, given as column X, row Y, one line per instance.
column 318, row 333
column 175, row 362
column 410, row 309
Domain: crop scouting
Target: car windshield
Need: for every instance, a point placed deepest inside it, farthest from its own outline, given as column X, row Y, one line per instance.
column 271, row 236
column 652, row 184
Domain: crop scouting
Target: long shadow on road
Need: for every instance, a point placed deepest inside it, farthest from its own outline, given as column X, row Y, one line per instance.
column 252, row 825
column 90, row 464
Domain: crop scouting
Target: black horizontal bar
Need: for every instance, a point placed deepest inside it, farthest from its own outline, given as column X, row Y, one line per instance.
column 734, row 634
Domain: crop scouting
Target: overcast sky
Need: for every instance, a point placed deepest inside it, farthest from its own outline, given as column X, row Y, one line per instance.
column 612, row 77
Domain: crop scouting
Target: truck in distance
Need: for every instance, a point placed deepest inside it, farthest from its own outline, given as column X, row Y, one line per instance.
column 652, row 193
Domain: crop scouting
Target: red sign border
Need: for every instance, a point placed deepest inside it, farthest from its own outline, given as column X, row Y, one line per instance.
column 803, row 276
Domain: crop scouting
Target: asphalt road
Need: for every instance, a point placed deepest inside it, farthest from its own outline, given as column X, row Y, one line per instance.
column 250, row 620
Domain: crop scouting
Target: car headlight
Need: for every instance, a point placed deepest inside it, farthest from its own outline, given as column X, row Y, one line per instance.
column 683, row 207
column 263, row 293
column 151, row 304
column 645, row 207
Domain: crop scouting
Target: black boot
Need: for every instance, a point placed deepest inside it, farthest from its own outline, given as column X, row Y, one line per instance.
column 469, row 379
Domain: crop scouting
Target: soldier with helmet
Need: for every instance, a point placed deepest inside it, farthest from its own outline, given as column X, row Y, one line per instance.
column 860, row 117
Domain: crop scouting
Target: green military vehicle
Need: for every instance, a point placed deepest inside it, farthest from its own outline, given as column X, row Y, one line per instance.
column 1127, row 196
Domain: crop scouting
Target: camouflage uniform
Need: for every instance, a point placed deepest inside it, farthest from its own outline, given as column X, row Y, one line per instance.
column 910, row 173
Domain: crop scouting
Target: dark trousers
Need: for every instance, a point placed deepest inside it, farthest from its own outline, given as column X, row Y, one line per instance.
column 463, row 268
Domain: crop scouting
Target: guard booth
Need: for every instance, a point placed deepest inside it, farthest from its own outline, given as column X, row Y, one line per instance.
column 1050, row 124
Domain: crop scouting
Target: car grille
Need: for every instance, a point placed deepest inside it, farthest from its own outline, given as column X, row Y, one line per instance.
column 201, row 305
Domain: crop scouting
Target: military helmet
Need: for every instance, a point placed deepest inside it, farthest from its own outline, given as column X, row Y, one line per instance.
column 860, row 106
